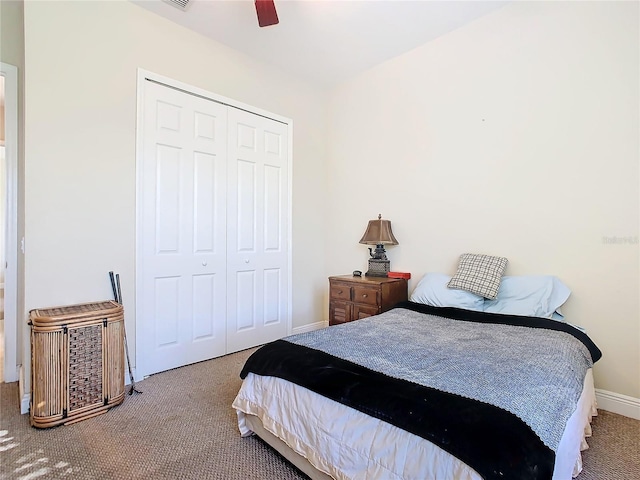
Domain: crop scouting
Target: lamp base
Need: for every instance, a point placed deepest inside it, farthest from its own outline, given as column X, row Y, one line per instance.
column 378, row 268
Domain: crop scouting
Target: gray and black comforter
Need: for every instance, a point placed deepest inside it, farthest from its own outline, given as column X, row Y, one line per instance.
column 494, row 390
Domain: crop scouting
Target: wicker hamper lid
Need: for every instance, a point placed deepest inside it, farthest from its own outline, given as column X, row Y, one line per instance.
column 51, row 315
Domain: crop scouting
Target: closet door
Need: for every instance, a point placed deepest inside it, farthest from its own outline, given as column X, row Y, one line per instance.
column 257, row 226
column 183, row 229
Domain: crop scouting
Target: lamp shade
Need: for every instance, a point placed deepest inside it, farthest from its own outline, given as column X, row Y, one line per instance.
column 379, row 233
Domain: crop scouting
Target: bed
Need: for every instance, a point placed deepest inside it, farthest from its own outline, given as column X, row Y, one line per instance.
column 426, row 392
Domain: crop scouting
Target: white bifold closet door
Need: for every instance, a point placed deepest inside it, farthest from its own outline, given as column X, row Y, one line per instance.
column 214, row 219
column 257, row 222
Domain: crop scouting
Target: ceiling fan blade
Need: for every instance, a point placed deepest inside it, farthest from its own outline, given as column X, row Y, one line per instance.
column 266, row 11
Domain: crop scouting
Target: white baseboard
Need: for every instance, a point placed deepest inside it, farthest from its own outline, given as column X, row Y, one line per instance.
column 127, row 378
column 24, row 403
column 618, row 403
column 310, row 328
column 25, row 397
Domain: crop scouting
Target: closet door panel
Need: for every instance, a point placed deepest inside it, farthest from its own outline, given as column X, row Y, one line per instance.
column 257, row 218
column 244, row 215
column 204, row 306
column 207, row 173
column 183, row 229
column 244, row 310
column 272, row 295
column 273, row 194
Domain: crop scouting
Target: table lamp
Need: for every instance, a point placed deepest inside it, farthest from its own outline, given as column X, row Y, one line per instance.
column 378, row 233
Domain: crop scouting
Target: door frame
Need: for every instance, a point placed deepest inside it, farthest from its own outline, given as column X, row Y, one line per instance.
column 10, row 74
column 143, row 76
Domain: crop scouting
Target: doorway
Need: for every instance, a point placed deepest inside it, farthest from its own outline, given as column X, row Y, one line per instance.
column 8, row 221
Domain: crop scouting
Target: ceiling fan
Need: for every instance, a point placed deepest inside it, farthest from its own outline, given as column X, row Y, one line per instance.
column 265, row 9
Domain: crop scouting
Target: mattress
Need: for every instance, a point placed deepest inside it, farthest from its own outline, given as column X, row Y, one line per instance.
column 344, row 443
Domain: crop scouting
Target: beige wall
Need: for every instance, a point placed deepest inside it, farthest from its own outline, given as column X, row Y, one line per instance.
column 2, row 135
column 11, row 32
column 517, row 135
column 82, row 59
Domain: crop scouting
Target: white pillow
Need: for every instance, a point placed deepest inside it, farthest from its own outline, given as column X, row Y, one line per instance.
column 432, row 290
column 530, row 295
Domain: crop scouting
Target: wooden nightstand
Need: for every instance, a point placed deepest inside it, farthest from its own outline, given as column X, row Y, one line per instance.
column 352, row 298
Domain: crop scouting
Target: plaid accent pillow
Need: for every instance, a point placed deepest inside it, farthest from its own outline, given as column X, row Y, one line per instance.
column 479, row 274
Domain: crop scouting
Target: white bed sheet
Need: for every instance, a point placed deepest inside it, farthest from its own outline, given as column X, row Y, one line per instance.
column 347, row 444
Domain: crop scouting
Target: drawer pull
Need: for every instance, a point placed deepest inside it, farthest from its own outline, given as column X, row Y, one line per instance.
column 339, row 292
column 364, row 295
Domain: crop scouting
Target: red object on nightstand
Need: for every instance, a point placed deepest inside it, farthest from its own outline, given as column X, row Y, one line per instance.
column 404, row 275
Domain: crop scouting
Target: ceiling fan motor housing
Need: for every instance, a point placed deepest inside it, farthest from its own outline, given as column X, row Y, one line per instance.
column 267, row 14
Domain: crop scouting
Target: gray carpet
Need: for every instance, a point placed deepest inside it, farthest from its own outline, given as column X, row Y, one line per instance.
column 183, row 427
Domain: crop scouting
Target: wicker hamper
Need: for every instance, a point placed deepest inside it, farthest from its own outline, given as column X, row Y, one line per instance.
column 77, row 362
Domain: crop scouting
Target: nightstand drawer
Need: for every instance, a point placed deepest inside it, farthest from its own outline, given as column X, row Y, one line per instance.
column 365, row 295
column 340, row 291
column 364, row 311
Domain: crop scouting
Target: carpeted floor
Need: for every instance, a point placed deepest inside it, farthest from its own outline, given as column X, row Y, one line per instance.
column 183, row 427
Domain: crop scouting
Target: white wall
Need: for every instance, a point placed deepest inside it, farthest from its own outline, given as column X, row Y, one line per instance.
column 82, row 59
column 516, row 135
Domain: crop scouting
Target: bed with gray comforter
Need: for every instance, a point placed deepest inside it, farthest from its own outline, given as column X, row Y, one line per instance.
column 494, row 390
